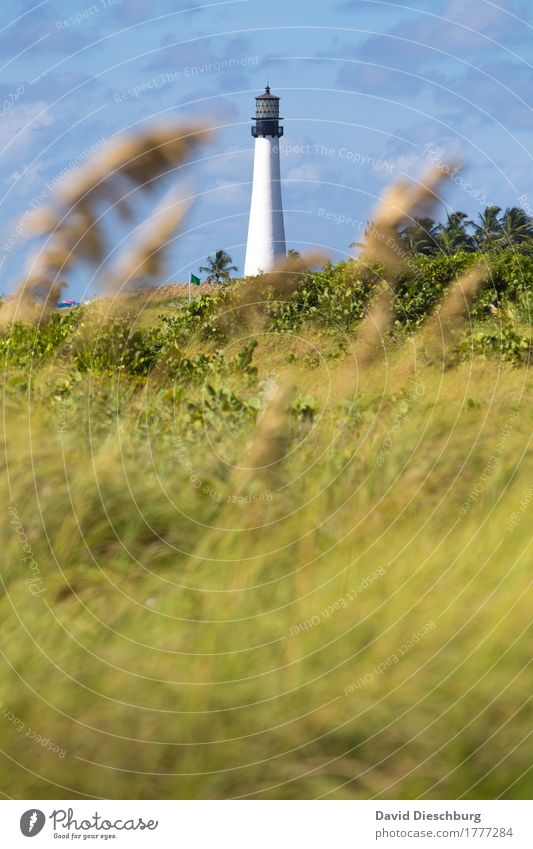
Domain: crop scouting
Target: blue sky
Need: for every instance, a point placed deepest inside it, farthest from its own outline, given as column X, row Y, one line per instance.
column 371, row 91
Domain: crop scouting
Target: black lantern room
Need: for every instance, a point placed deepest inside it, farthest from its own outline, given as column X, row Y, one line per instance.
column 267, row 115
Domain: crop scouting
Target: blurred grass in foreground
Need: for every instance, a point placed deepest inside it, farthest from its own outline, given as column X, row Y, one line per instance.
column 273, row 543
column 349, row 621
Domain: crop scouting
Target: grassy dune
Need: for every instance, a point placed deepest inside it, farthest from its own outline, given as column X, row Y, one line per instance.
column 305, row 581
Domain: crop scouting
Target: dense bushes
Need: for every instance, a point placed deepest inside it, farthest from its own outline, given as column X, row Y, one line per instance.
column 23, row 345
column 422, row 286
column 334, row 297
column 337, row 295
column 116, row 344
column 332, row 300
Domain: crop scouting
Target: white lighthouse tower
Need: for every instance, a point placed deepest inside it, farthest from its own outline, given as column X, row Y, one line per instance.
column 266, row 233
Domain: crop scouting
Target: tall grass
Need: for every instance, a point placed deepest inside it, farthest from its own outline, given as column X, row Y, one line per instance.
column 195, row 630
column 252, row 551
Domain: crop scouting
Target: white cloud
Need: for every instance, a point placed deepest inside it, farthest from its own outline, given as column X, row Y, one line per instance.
column 19, row 123
column 306, row 171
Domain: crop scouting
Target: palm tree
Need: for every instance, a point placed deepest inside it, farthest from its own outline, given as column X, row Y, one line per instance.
column 489, row 232
column 293, row 258
column 421, row 237
column 454, row 236
column 517, row 226
column 218, row 268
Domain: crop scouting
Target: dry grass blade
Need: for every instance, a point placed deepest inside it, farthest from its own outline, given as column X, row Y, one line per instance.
column 374, row 326
column 459, row 300
column 137, row 160
column 248, row 300
column 442, row 328
column 76, row 222
column 269, row 443
column 145, row 258
column 397, row 207
column 284, row 279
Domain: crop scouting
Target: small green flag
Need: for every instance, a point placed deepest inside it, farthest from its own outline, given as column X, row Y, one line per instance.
column 194, row 279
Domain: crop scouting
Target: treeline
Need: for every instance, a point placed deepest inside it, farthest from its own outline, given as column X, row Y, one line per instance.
column 494, row 231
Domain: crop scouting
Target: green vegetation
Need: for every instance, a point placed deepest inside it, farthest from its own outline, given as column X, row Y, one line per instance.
column 239, row 560
column 218, row 268
column 495, row 231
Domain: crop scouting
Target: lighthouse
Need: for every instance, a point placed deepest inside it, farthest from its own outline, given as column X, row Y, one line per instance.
column 266, row 233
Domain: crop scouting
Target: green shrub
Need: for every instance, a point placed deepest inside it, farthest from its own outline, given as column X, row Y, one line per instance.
column 504, row 343
column 116, row 345
column 23, row 345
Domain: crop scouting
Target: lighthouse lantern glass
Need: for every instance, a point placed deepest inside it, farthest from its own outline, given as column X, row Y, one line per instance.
column 267, row 116
column 267, row 109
